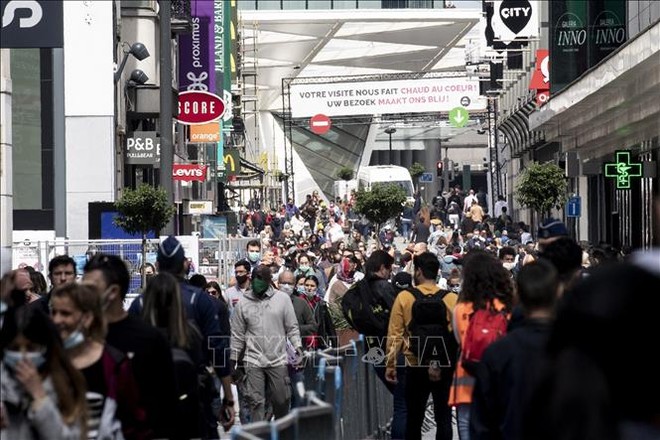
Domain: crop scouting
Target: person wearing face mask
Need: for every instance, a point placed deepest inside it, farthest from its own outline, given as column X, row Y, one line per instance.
column 236, row 292
column 149, row 351
column 43, row 395
column 254, row 253
column 307, row 325
column 508, row 258
column 112, row 393
column 326, row 336
column 260, row 327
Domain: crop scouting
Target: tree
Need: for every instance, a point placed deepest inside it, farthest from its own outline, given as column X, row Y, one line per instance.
column 143, row 210
column 383, row 202
column 416, row 170
column 345, row 174
column 542, row 187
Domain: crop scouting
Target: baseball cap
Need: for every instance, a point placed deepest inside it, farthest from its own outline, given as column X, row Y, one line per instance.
column 552, row 227
column 170, row 253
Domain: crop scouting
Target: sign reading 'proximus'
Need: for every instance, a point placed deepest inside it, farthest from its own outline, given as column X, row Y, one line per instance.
column 378, row 97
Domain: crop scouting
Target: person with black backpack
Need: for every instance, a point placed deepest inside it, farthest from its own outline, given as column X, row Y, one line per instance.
column 366, row 306
column 420, row 325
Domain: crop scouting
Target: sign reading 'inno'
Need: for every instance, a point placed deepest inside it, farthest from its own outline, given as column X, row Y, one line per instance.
column 196, row 107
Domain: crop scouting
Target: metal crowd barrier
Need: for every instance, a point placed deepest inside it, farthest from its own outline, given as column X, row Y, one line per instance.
column 359, row 403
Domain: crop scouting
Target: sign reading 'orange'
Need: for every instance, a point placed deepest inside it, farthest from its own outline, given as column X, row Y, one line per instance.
column 204, row 133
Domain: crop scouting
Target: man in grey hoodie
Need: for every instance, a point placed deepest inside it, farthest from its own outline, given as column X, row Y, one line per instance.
column 260, row 326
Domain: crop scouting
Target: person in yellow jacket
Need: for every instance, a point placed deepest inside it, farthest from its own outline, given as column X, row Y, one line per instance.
column 421, row 380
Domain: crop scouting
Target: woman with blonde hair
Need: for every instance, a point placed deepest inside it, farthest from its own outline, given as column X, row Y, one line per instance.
column 112, row 393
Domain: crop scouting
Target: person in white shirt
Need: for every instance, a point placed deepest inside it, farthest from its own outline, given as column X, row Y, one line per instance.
column 236, row 292
column 467, row 203
column 501, row 203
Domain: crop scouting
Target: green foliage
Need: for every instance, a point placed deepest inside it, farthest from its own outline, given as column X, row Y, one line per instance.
column 345, row 173
column 416, row 170
column 143, row 209
column 542, row 187
column 383, row 202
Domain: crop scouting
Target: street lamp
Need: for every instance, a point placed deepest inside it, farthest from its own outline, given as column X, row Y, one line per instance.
column 138, row 50
column 390, row 131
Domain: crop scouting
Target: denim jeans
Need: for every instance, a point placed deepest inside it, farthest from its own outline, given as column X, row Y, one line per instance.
column 463, row 421
column 296, row 376
column 398, row 391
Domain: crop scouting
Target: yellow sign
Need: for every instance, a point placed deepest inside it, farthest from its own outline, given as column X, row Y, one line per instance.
column 205, row 133
column 232, row 160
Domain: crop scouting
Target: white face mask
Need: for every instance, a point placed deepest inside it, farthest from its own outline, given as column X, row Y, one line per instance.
column 74, row 339
column 509, row 266
column 286, row 288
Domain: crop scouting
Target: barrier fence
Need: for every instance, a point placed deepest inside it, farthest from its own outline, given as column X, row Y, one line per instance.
column 213, row 258
column 361, row 404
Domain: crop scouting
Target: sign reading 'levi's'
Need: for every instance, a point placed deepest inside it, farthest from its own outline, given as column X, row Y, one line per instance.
column 189, row 173
column 378, row 97
column 199, row 107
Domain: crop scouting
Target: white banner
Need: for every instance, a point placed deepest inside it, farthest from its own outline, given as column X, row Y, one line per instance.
column 424, row 95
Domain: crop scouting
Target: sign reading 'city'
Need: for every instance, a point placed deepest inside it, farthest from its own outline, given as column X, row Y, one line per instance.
column 623, row 169
column 196, row 107
column 515, row 19
column 379, row 97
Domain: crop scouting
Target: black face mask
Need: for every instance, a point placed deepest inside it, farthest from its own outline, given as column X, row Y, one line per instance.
column 241, row 279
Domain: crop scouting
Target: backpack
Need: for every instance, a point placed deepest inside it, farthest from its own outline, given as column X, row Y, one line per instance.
column 486, row 326
column 187, row 386
column 364, row 310
column 430, row 338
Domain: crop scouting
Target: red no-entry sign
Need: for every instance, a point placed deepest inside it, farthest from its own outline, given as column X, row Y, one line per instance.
column 320, row 124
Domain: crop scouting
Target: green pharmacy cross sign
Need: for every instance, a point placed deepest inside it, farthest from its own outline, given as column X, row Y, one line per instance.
column 622, row 169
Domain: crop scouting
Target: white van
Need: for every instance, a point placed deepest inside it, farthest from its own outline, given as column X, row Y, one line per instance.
column 367, row 176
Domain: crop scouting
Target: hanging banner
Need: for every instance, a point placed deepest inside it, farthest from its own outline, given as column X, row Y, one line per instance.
column 569, row 43
column 379, row 97
column 515, row 19
column 607, row 28
column 196, row 50
column 541, row 77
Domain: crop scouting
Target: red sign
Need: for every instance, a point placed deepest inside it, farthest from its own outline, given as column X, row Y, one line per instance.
column 189, row 173
column 320, row 124
column 197, row 107
column 541, row 77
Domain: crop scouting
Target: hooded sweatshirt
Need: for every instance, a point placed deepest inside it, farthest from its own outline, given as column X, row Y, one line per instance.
column 260, row 327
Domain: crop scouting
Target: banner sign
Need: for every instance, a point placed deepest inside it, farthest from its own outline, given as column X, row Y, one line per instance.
column 378, row 97
column 515, row 19
column 204, row 133
column 196, row 50
column 32, row 24
column 143, row 148
column 189, row 173
column 607, row 28
column 541, row 77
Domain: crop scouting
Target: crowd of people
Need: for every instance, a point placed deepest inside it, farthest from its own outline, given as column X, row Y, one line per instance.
column 566, row 322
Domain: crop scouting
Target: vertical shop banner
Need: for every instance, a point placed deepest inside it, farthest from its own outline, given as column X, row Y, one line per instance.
column 541, row 77
column 27, row 24
column 607, row 28
column 234, row 40
column 196, row 50
column 222, row 65
column 569, row 45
